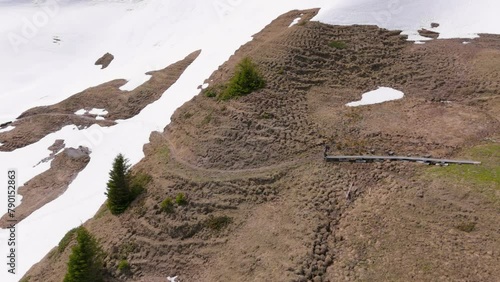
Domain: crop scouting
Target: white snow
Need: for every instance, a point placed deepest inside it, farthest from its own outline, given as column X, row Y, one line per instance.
column 135, row 81
column 8, row 128
column 145, row 36
column 419, row 42
column 98, row 112
column 382, row 94
column 295, row 21
column 81, row 112
column 205, row 86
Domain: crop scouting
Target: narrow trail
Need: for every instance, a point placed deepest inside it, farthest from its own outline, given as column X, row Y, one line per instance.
column 252, row 171
column 112, row 122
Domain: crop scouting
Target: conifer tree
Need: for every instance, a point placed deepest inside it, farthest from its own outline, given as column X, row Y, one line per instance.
column 86, row 259
column 118, row 191
column 246, row 79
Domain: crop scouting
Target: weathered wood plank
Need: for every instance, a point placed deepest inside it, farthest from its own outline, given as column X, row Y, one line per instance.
column 397, row 158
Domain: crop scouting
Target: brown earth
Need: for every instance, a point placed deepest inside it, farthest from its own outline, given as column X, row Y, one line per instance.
column 50, row 184
column 36, row 123
column 263, row 205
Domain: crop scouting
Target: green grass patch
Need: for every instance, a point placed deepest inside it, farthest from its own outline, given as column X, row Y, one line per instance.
column 123, row 266
column 485, row 177
column 66, row 240
column 101, row 212
column 338, row 44
column 138, row 183
column 210, row 92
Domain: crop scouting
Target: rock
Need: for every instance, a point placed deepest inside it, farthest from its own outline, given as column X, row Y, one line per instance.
column 105, row 60
column 434, row 25
column 302, row 279
column 428, row 33
column 420, row 194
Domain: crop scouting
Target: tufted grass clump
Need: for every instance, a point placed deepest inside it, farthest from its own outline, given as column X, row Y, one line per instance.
column 337, row 44
column 167, row 205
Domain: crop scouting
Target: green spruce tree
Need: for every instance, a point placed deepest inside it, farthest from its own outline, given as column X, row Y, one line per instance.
column 118, row 191
column 86, row 259
column 246, row 79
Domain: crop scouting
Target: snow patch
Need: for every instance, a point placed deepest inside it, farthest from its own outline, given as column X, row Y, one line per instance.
column 205, row 86
column 456, row 18
column 98, row 112
column 135, row 82
column 382, row 94
column 295, row 21
column 80, row 112
column 8, row 128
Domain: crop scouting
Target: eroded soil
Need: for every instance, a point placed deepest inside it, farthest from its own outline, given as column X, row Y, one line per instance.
column 255, row 164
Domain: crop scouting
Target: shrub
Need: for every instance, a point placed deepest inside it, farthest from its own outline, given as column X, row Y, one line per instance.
column 246, row 80
column 337, row 44
column 167, row 205
column 180, row 199
column 86, row 259
column 217, row 223
column 210, row 92
column 123, row 187
column 123, row 266
column 138, row 183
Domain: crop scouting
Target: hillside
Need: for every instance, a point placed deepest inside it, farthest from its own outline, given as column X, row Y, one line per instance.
column 263, row 204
